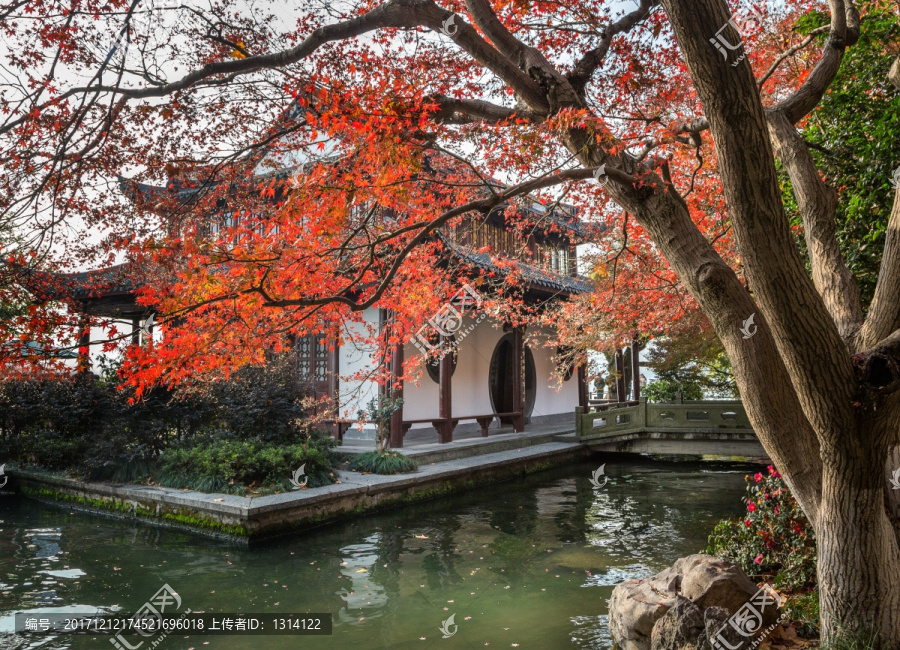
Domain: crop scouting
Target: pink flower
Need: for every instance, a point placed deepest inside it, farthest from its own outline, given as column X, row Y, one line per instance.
column 758, row 559
column 758, row 477
column 751, row 507
column 747, row 523
column 776, row 510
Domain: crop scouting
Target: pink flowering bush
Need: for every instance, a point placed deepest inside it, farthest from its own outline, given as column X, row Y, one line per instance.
column 773, row 538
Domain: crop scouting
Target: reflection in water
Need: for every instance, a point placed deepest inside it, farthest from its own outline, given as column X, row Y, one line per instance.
column 363, row 595
column 529, row 562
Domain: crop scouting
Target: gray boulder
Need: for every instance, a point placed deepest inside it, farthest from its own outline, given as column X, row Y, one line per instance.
column 700, row 591
column 636, row 605
column 680, row 628
column 713, row 582
column 716, row 622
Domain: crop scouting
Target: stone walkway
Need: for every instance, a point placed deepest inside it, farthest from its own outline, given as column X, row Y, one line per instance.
column 422, row 444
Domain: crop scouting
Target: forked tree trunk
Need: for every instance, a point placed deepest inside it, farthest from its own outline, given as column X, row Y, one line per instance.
column 817, row 378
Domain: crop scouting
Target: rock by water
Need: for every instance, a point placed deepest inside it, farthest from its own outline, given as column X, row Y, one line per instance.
column 684, row 606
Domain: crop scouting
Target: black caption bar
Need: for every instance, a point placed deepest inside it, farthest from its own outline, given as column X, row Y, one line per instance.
column 150, row 625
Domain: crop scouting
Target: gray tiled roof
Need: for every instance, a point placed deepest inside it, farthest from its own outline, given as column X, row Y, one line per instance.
column 532, row 274
column 85, row 284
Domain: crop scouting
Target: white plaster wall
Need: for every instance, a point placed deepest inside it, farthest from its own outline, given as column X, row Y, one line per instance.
column 95, row 350
column 551, row 398
column 469, row 385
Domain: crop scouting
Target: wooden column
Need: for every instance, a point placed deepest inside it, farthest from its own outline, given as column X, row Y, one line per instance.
column 635, row 370
column 396, row 373
column 334, row 367
column 386, row 359
column 518, row 387
column 620, row 379
column 136, row 330
column 582, row 388
column 84, row 342
column 445, row 400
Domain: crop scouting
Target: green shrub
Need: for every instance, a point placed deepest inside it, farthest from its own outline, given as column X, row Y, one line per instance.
column 774, row 537
column 257, row 402
column 232, row 466
column 85, row 426
column 385, row 462
column 93, row 429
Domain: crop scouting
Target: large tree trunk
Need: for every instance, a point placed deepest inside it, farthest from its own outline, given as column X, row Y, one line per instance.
column 819, row 382
column 858, row 553
column 810, row 325
column 858, row 558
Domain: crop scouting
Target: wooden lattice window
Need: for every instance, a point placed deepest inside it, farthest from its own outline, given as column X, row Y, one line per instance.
column 312, row 362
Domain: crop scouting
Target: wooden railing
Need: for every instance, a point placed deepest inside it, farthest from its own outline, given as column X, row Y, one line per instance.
column 711, row 416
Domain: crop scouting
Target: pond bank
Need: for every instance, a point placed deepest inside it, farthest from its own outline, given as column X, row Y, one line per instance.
column 245, row 519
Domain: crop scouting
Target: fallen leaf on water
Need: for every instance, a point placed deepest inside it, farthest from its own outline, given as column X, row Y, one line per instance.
column 421, row 536
column 361, row 571
column 218, row 500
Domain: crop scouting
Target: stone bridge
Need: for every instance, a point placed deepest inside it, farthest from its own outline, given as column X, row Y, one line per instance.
column 691, row 428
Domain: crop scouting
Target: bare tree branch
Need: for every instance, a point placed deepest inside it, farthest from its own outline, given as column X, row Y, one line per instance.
column 584, row 69
column 790, row 52
column 529, row 59
column 844, row 32
column 392, row 14
column 461, row 111
column 894, row 73
column 818, row 205
column 883, row 317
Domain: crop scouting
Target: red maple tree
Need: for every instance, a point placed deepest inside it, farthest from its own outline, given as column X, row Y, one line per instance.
column 334, row 144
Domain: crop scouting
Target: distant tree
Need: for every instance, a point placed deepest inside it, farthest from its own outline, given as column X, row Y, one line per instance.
column 695, row 365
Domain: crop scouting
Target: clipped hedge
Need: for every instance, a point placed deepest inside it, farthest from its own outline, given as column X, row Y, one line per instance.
column 233, row 466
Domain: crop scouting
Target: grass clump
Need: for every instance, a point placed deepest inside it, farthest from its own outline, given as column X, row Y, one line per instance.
column 854, row 641
column 803, row 610
column 383, row 462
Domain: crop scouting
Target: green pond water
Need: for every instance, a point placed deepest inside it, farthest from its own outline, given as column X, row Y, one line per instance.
column 529, row 563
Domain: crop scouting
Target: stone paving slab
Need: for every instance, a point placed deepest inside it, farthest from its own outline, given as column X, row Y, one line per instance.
column 436, row 452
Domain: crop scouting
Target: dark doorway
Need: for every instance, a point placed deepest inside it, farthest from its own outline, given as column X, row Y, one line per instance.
column 501, row 380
